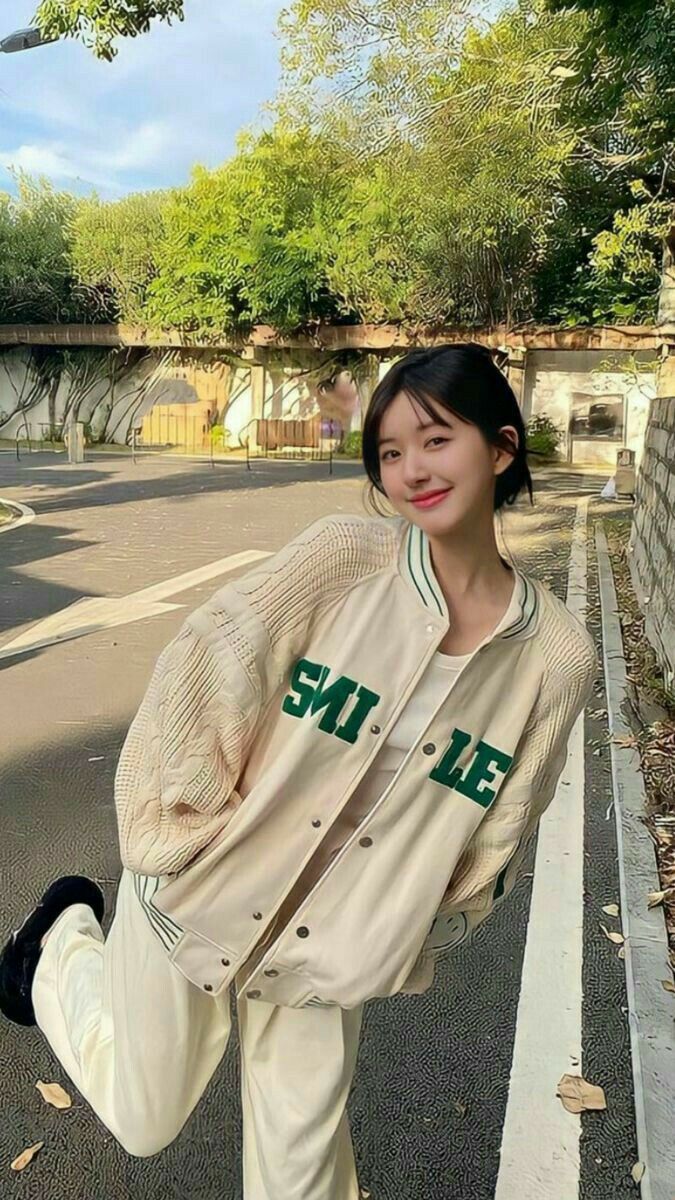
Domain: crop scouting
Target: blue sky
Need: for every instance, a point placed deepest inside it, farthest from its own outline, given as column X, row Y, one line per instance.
column 171, row 98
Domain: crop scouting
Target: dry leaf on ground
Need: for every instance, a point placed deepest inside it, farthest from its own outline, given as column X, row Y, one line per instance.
column 612, row 910
column 668, row 985
column 54, row 1094
column 625, row 740
column 617, row 938
column 656, row 898
column 577, row 1094
column 621, row 952
column 25, row 1157
column 638, row 1171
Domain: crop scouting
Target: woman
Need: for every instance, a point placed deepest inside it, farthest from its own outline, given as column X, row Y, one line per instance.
column 331, row 780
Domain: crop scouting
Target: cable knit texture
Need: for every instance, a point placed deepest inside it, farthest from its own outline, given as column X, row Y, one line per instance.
column 185, row 749
column 176, row 779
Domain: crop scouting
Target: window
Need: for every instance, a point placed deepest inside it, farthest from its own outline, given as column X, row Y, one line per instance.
column 597, row 416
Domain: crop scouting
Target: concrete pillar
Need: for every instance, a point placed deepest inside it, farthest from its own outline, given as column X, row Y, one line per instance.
column 367, row 381
column 277, row 377
column 515, row 373
column 257, row 399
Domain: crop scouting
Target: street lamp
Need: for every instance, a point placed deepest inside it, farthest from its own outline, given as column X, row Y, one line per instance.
column 24, row 39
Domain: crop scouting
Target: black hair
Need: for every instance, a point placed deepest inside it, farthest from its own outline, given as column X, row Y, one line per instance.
column 463, row 378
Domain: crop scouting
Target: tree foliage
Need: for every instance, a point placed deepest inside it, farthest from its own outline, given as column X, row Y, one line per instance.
column 37, row 279
column 98, row 24
column 422, row 163
column 114, row 252
column 247, row 243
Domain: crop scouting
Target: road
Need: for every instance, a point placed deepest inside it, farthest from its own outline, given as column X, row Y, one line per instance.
column 454, row 1093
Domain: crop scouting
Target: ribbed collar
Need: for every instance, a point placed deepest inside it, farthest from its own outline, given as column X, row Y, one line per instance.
column 416, row 567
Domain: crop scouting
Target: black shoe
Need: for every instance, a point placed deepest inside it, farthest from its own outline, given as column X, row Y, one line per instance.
column 20, row 956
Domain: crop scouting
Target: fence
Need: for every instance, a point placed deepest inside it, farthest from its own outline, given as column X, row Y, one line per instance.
column 314, row 438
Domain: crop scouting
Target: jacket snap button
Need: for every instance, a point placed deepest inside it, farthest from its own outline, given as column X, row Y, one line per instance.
column 365, row 841
column 254, row 994
column 316, row 824
column 375, row 729
column 225, row 962
column 303, row 931
column 208, row 987
column 258, row 916
column 271, row 972
column 429, row 748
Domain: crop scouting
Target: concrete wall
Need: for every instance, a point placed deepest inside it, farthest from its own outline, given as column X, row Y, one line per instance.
column 174, row 395
column 557, row 383
column 652, row 557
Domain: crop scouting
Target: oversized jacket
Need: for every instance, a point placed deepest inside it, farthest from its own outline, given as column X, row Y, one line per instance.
column 261, row 717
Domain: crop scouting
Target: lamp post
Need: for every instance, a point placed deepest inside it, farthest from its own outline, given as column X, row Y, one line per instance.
column 24, row 39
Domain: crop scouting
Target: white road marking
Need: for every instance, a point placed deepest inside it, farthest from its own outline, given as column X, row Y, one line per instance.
column 90, row 614
column 540, row 1139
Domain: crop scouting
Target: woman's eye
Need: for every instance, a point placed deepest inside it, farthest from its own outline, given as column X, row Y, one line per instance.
column 435, row 439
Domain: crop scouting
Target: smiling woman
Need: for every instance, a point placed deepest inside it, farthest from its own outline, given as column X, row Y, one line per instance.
column 456, row 386
column 331, row 781
column 444, row 442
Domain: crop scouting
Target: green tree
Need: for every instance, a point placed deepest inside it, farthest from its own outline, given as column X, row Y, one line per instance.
column 247, row 243
column 567, row 108
column 36, row 276
column 113, row 250
column 623, row 105
column 98, row 24
column 462, row 171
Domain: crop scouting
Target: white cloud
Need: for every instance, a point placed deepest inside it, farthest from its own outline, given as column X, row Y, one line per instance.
column 142, row 148
column 173, row 97
column 55, row 162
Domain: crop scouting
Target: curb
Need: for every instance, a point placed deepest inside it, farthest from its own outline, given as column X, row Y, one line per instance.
column 24, row 514
column 651, row 1008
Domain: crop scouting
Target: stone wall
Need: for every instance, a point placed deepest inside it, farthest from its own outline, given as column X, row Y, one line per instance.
column 652, row 555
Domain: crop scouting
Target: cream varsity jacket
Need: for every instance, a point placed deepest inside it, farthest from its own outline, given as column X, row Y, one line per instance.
column 261, row 717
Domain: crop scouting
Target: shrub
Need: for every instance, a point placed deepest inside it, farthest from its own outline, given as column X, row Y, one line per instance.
column 543, row 436
column 351, row 444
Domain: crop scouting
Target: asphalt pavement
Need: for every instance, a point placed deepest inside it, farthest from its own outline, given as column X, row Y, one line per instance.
column 438, row 1109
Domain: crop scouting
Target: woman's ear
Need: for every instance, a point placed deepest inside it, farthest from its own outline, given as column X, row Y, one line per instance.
column 504, row 458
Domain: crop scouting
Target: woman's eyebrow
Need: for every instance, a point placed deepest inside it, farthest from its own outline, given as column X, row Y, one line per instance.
column 428, row 425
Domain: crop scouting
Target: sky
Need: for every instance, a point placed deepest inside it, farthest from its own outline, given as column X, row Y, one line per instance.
column 172, row 98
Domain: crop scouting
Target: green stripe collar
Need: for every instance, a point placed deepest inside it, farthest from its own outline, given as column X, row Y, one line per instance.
column 416, row 567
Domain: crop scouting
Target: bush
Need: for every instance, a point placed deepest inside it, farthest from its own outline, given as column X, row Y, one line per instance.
column 219, row 437
column 543, row 436
column 351, row 444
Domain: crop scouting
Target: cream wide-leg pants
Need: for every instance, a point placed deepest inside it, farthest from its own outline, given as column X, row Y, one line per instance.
column 140, row 1042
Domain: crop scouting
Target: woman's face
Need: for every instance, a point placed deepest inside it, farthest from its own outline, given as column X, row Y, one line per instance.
column 454, row 456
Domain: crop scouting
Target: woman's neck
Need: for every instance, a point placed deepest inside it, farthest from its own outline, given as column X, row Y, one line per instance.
column 471, row 573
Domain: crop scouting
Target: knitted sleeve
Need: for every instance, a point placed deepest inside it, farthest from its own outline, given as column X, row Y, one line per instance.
column 175, row 782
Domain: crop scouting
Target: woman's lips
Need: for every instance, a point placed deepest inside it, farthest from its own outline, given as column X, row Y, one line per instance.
column 433, row 500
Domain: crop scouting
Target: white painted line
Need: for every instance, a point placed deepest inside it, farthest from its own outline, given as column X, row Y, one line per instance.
column 27, row 515
column 90, row 614
column 540, row 1139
